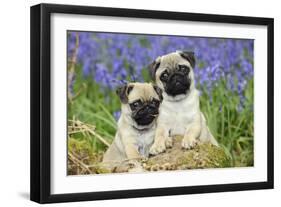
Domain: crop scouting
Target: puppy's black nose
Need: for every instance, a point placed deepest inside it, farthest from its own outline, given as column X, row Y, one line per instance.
column 178, row 83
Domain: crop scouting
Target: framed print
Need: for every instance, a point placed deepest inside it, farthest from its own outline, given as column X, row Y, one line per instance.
column 133, row 103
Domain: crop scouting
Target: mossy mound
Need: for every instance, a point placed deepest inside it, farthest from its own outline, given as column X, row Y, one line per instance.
column 82, row 159
column 203, row 155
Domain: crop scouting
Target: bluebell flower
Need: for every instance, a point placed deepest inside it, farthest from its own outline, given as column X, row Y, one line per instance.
column 117, row 115
column 111, row 57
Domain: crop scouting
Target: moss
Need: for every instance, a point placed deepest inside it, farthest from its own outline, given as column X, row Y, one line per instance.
column 81, row 147
column 82, row 159
column 204, row 155
column 102, row 170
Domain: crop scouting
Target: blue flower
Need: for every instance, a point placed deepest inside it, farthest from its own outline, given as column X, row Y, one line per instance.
column 117, row 115
column 110, row 58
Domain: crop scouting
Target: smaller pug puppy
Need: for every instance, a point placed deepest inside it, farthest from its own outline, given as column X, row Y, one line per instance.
column 180, row 111
column 136, row 126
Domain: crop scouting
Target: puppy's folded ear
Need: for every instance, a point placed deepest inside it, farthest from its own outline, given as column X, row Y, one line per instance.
column 189, row 56
column 159, row 92
column 123, row 92
column 153, row 68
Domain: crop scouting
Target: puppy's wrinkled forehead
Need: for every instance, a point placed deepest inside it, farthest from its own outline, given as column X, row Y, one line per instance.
column 172, row 60
column 143, row 91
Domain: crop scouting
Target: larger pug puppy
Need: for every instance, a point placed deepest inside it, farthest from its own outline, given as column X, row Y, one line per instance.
column 136, row 126
column 179, row 112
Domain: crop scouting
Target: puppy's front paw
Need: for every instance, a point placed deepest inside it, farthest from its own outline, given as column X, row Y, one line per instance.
column 135, row 166
column 169, row 142
column 157, row 147
column 188, row 143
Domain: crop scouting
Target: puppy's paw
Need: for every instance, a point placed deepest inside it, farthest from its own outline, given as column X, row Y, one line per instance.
column 135, row 167
column 157, row 147
column 136, row 170
column 169, row 142
column 189, row 143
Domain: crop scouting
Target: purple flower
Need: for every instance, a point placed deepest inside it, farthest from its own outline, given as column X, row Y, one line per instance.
column 117, row 115
column 111, row 57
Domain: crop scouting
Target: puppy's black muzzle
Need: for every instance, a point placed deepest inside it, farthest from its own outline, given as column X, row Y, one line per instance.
column 178, row 83
column 145, row 115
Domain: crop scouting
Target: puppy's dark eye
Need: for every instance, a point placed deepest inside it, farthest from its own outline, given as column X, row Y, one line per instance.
column 164, row 76
column 184, row 69
column 135, row 104
column 155, row 102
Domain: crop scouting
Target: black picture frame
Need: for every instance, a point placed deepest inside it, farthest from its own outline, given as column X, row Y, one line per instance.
column 41, row 99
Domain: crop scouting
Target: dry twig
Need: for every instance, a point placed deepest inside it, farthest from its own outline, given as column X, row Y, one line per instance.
column 79, row 163
column 80, row 127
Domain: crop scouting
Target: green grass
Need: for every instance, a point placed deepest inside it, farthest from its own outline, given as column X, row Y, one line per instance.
column 232, row 128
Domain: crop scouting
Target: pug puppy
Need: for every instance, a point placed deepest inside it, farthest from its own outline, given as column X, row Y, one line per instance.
column 136, row 126
column 180, row 111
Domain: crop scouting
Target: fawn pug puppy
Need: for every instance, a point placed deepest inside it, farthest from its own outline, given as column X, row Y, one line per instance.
column 179, row 112
column 136, row 126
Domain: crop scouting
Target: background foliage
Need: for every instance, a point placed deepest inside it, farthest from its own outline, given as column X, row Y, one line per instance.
column 99, row 62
